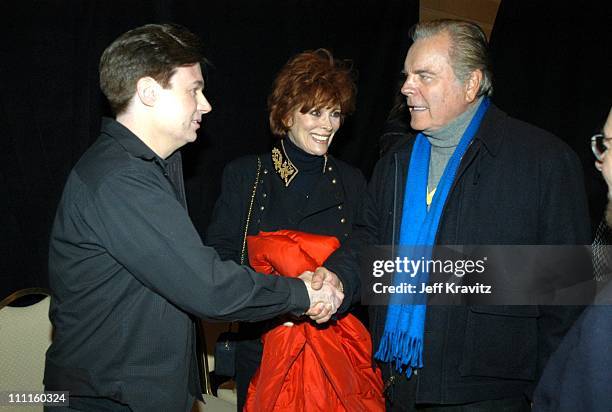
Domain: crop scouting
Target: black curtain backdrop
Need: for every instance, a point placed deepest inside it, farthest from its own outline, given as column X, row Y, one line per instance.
column 551, row 60
column 51, row 105
column 553, row 68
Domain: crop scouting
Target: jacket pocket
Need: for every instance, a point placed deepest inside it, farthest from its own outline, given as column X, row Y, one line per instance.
column 500, row 342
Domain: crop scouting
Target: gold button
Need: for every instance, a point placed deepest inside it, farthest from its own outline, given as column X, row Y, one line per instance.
column 340, row 207
column 262, row 208
column 343, row 220
column 329, row 168
column 334, row 181
column 265, row 171
column 265, row 195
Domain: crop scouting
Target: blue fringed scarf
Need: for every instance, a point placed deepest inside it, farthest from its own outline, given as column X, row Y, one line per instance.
column 402, row 340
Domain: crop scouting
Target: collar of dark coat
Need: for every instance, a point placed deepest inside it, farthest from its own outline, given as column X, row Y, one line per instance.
column 132, row 144
column 284, row 167
column 490, row 134
column 323, row 196
column 172, row 165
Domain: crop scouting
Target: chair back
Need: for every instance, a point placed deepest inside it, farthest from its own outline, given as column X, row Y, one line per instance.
column 25, row 336
column 221, row 396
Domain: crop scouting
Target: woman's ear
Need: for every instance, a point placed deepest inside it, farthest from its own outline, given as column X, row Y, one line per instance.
column 288, row 122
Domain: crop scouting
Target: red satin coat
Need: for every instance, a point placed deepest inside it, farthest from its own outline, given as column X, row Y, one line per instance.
column 306, row 367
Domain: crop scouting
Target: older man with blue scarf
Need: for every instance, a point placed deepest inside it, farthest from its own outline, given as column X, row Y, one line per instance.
column 472, row 175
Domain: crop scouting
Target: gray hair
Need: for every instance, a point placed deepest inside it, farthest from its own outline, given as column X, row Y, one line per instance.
column 468, row 51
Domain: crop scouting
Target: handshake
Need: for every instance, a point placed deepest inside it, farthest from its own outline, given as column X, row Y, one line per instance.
column 325, row 293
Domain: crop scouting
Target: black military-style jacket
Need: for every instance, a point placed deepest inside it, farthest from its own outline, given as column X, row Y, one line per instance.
column 329, row 209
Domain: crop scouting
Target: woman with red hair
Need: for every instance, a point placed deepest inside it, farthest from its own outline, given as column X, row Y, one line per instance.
column 289, row 201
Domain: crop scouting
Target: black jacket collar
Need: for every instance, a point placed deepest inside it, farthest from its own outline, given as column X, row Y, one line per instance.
column 285, row 169
column 128, row 140
column 171, row 166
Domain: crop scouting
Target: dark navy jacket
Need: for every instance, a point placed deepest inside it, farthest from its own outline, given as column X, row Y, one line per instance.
column 577, row 376
column 516, row 185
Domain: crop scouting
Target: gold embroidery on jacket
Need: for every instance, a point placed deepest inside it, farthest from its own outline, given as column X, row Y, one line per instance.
column 283, row 165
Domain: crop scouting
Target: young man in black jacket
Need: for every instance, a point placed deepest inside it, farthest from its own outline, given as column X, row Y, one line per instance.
column 126, row 266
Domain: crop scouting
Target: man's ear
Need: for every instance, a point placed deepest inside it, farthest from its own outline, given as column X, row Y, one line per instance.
column 472, row 85
column 147, row 90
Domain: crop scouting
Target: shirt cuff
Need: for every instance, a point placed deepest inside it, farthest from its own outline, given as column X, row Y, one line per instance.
column 300, row 302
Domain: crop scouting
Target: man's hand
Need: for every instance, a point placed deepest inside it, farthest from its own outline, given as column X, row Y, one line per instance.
column 324, row 301
column 323, row 275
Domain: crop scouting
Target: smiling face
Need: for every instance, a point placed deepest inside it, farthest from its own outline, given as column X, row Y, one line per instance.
column 433, row 93
column 314, row 130
column 180, row 107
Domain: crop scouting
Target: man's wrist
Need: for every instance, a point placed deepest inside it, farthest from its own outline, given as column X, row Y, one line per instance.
column 300, row 299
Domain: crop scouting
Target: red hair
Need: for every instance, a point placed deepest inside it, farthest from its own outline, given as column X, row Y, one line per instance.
column 312, row 79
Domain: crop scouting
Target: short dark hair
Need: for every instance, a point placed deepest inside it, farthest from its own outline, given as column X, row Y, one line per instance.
column 310, row 79
column 469, row 49
column 154, row 50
